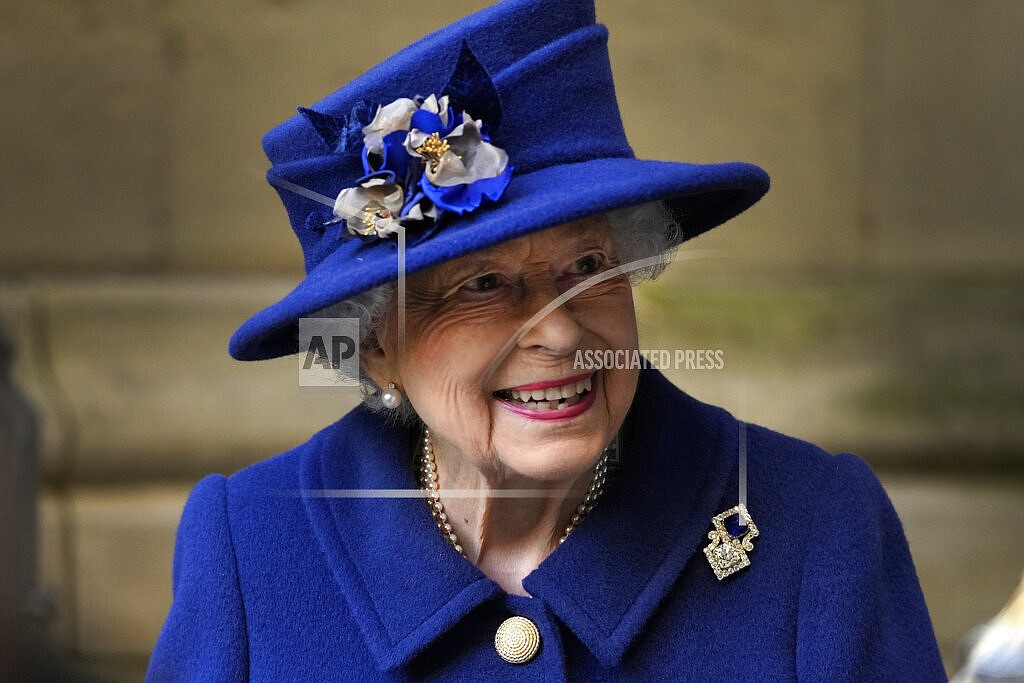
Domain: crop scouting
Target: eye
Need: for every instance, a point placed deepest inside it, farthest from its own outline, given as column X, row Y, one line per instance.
column 591, row 263
column 484, row 283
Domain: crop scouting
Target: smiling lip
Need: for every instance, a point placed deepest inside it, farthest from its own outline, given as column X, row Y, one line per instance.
column 574, row 396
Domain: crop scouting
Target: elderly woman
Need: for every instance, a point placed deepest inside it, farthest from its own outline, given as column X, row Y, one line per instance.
column 506, row 505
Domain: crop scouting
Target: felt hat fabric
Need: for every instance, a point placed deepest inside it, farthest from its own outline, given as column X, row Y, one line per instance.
column 523, row 92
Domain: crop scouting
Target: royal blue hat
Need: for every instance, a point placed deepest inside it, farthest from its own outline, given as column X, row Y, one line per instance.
column 499, row 125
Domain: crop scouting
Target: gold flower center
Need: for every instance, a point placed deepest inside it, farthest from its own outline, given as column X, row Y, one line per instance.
column 370, row 216
column 433, row 148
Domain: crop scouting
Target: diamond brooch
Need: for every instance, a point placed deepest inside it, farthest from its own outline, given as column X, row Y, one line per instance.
column 727, row 554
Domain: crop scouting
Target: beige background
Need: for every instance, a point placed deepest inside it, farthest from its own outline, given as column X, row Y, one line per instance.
column 871, row 303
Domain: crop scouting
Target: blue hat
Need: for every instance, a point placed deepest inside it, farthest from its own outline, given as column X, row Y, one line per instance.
column 497, row 126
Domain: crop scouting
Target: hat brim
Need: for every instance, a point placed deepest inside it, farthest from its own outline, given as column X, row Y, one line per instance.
column 700, row 196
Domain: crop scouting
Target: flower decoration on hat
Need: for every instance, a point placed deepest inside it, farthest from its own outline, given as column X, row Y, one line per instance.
column 420, row 159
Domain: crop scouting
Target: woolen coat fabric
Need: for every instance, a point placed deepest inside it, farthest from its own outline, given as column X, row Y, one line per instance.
column 280, row 576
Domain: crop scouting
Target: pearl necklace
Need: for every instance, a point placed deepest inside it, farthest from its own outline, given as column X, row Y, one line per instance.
column 428, row 482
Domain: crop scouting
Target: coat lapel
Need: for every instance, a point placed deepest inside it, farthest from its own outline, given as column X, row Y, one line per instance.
column 404, row 584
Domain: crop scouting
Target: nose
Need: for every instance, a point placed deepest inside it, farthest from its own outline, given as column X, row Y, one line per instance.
column 558, row 332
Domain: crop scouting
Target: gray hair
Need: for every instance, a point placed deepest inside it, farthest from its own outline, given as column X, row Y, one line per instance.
column 639, row 232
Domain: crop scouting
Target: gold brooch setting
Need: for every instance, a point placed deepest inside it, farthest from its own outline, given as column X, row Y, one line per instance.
column 727, row 554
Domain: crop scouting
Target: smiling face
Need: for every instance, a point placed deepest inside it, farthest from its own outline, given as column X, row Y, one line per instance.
column 530, row 414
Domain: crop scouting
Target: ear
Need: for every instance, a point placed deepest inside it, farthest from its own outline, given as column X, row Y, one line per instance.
column 377, row 364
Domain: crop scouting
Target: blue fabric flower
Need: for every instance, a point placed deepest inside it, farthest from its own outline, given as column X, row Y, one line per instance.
column 434, row 116
column 391, row 157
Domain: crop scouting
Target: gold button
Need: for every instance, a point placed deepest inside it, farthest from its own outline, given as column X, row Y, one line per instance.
column 517, row 640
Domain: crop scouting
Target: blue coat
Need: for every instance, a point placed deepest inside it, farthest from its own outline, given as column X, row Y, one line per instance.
column 272, row 585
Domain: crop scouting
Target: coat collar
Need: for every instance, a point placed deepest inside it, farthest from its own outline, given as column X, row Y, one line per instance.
column 405, row 586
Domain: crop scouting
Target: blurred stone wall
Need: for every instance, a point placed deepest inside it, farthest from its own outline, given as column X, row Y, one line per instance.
column 872, row 302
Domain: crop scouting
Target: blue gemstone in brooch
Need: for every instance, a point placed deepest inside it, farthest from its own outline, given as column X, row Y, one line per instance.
column 727, row 554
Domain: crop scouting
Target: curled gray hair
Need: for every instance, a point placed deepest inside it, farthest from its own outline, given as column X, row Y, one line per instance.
column 639, row 232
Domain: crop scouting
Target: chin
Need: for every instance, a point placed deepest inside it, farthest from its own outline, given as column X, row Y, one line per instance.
column 555, row 459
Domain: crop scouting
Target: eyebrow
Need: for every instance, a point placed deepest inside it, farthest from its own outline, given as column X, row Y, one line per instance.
column 454, row 271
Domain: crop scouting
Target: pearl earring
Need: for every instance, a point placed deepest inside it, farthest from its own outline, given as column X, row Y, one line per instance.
column 391, row 397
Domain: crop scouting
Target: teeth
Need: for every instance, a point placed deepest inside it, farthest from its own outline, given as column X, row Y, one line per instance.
column 552, row 398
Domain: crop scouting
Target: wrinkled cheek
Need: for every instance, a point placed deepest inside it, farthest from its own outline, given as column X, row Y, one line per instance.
column 459, row 414
column 465, row 407
column 619, row 390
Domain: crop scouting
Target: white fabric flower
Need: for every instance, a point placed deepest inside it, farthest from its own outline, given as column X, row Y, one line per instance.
column 389, row 118
column 468, row 158
column 371, row 208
